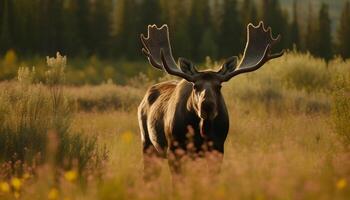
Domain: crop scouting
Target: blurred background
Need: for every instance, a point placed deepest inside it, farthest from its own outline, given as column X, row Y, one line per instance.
column 101, row 37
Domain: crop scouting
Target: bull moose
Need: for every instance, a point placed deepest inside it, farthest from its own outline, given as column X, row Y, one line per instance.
column 170, row 108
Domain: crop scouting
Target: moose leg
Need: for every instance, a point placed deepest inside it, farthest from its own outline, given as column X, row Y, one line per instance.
column 151, row 163
column 174, row 161
column 214, row 159
column 151, row 160
column 174, row 164
column 175, row 155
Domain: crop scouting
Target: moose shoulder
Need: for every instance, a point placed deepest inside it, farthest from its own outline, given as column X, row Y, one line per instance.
column 195, row 105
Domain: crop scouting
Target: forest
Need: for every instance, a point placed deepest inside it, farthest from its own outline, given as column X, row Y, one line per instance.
column 102, row 37
column 215, row 28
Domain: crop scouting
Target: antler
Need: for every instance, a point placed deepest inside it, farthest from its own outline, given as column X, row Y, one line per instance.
column 256, row 53
column 157, row 48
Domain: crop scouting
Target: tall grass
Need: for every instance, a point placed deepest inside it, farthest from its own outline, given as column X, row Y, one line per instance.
column 287, row 130
column 104, row 97
column 341, row 107
column 35, row 115
column 295, row 83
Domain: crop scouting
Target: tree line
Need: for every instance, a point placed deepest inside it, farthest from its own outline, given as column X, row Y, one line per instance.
column 111, row 28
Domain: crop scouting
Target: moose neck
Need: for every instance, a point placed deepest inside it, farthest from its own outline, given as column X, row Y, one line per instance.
column 205, row 125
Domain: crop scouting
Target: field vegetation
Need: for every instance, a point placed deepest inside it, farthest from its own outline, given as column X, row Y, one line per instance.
column 289, row 135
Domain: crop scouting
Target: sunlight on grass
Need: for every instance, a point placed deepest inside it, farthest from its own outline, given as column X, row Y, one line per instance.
column 286, row 139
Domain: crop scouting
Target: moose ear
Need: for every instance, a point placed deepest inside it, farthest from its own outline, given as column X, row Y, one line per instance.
column 229, row 66
column 187, row 66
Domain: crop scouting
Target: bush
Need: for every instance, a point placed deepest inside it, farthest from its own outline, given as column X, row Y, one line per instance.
column 266, row 94
column 8, row 65
column 35, row 122
column 105, row 97
column 296, row 83
column 341, row 108
column 309, row 75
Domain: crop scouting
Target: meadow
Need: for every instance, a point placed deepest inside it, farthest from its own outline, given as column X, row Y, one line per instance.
column 289, row 136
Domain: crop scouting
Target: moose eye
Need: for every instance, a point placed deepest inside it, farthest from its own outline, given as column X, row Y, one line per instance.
column 196, row 87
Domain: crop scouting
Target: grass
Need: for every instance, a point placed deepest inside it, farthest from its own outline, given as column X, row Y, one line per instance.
column 35, row 125
column 341, row 107
column 104, row 97
column 285, row 141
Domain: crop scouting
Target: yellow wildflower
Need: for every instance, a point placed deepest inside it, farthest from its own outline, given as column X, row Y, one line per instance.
column 26, row 176
column 220, row 193
column 4, row 187
column 16, row 183
column 53, row 194
column 341, row 184
column 71, row 175
column 10, row 57
column 127, row 137
column 17, row 195
column 259, row 197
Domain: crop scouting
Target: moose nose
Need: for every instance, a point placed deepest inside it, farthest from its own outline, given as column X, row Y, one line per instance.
column 208, row 110
column 207, row 106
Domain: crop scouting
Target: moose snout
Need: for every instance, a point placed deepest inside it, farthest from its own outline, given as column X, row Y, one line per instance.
column 207, row 106
column 208, row 110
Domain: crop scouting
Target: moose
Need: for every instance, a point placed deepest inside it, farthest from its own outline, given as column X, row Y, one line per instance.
column 169, row 109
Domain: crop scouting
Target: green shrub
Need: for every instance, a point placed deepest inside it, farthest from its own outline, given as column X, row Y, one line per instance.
column 105, row 97
column 341, row 108
column 297, row 83
column 8, row 66
column 309, row 76
column 310, row 105
column 36, row 119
